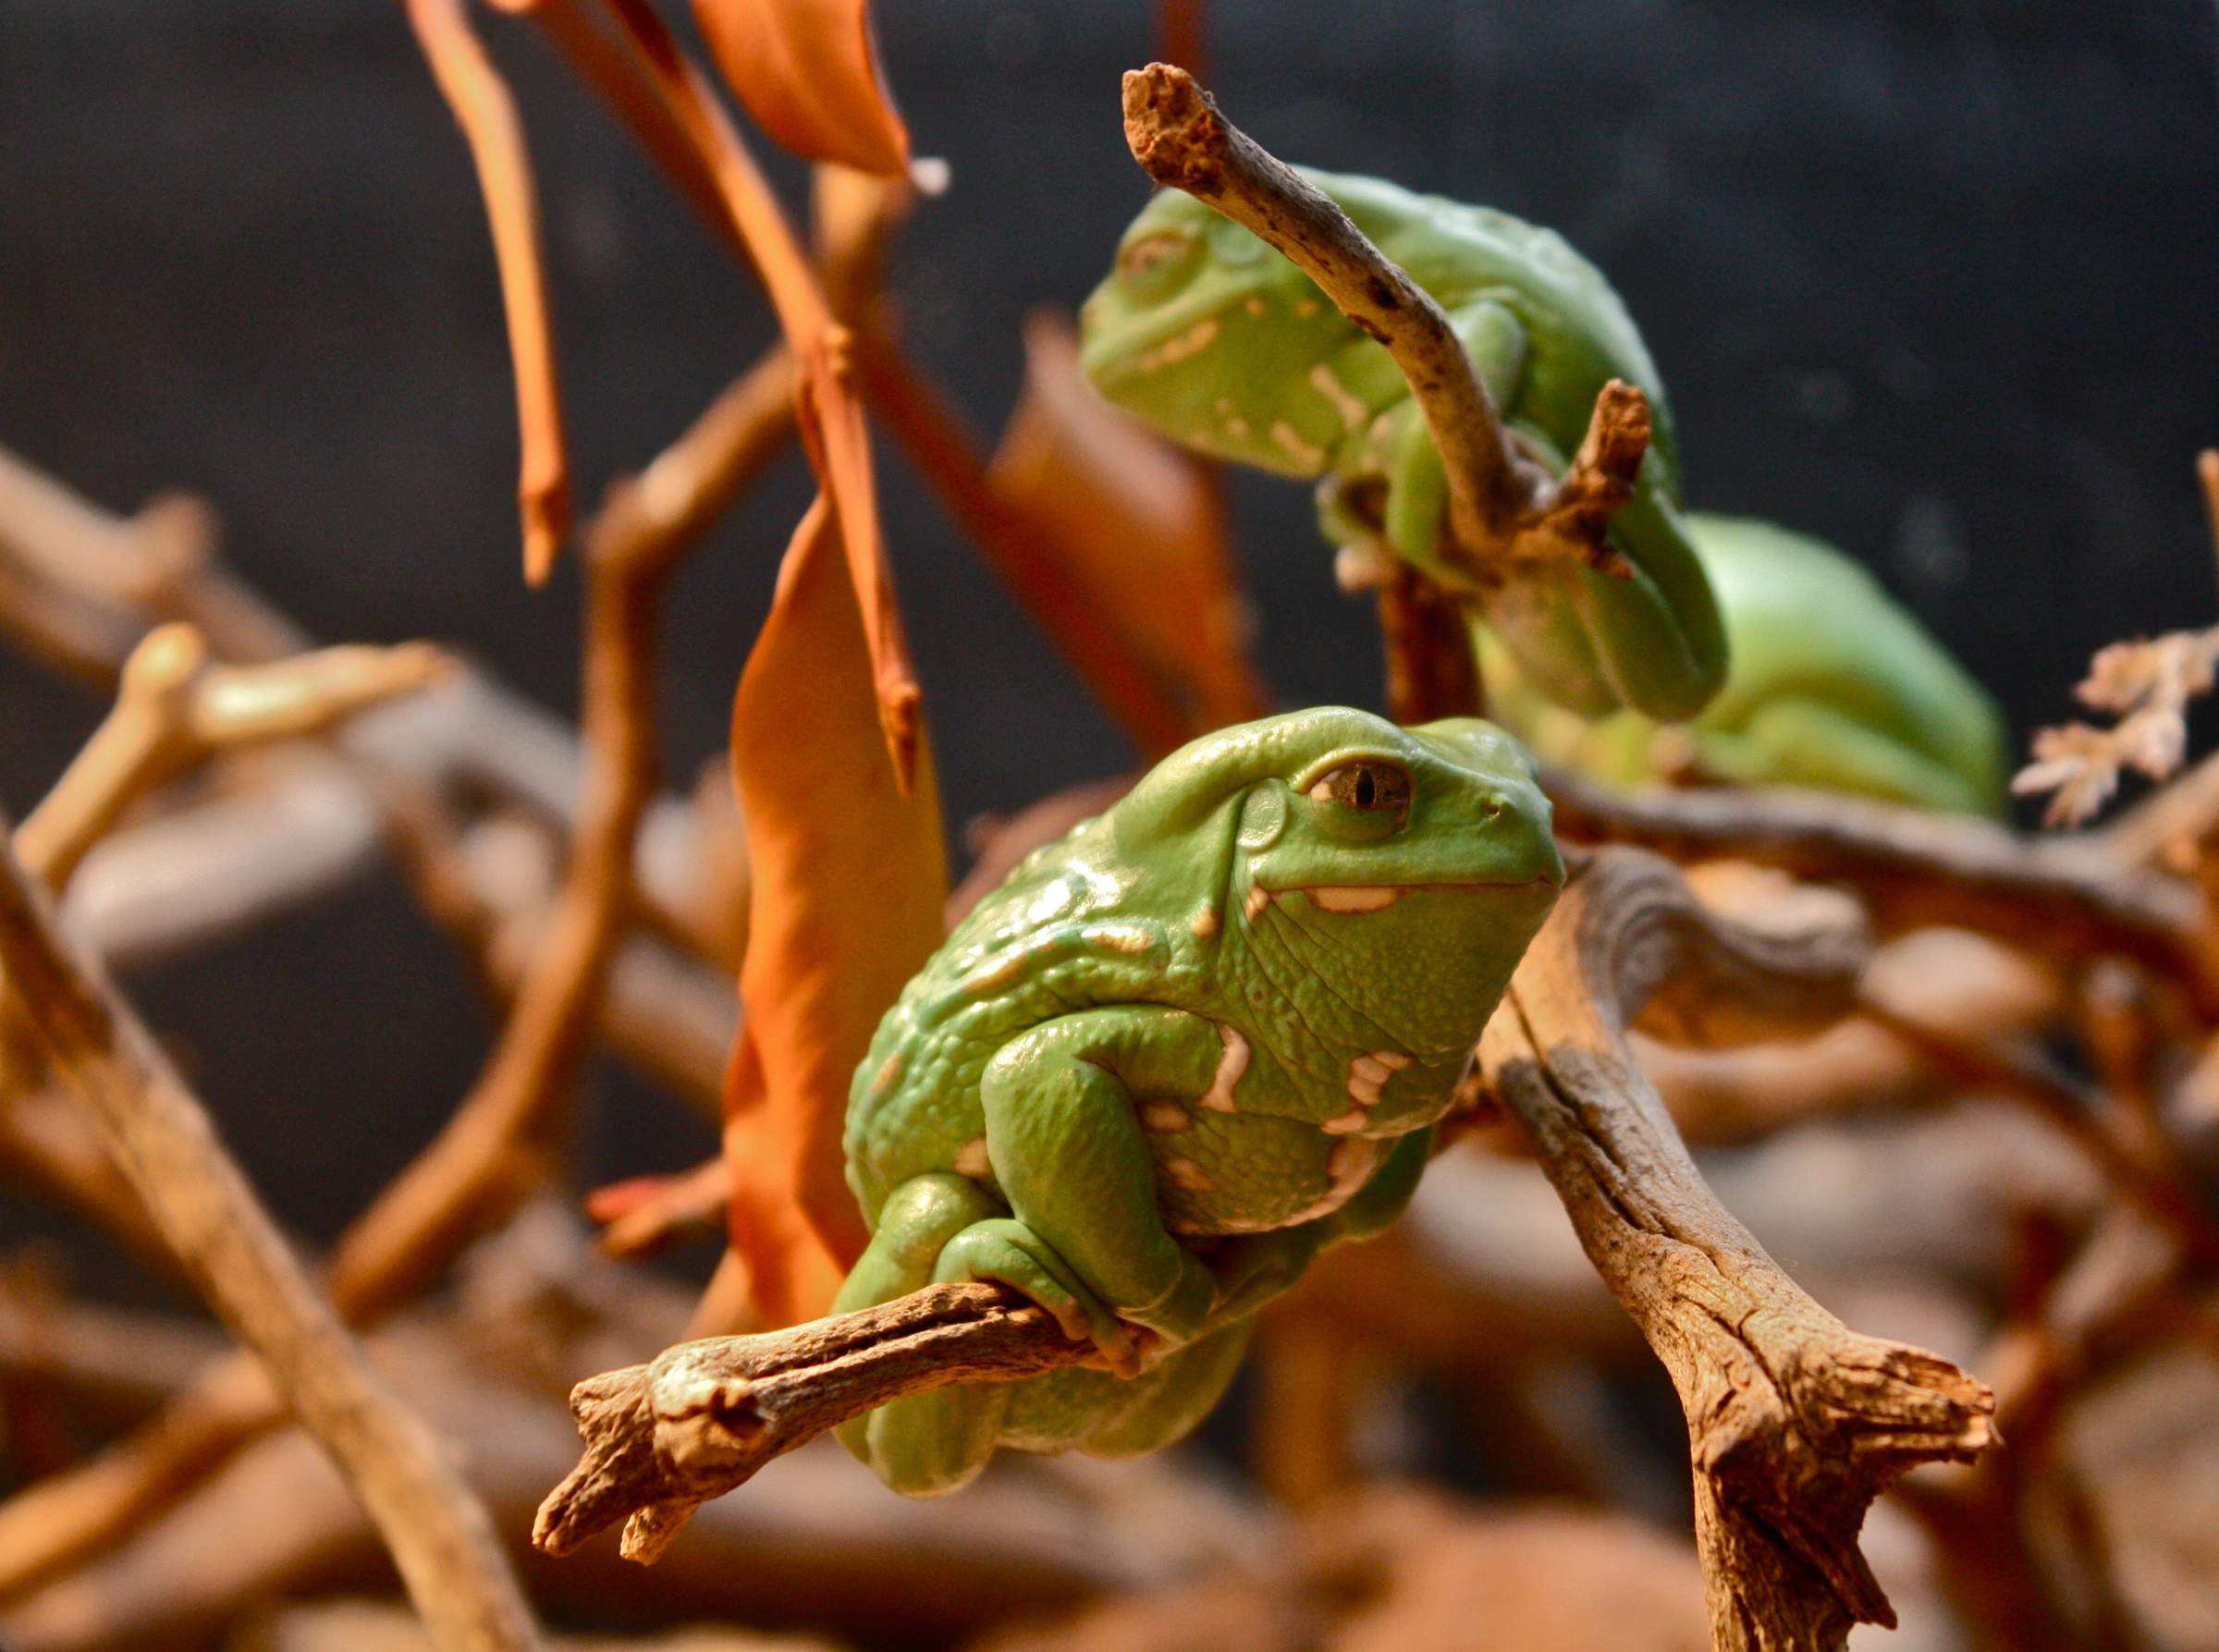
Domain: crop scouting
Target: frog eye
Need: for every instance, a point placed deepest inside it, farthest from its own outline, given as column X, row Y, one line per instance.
column 1376, row 789
column 1148, row 260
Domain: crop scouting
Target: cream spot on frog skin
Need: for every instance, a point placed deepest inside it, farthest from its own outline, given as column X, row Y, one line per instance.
column 1223, row 404
column 1188, row 1175
column 1383, row 426
column 995, row 979
column 1340, row 898
column 1371, row 1070
column 1350, row 410
column 1393, row 1060
column 1180, row 346
column 1259, row 899
column 1288, row 440
column 1204, row 923
column 1122, row 937
column 971, row 1158
column 1348, row 1124
column 1255, row 306
column 1359, row 567
column 888, row 1072
column 1165, row 1117
column 1237, row 429
column 1232, row 1063
column 1347, row 1168
column 1306, row 308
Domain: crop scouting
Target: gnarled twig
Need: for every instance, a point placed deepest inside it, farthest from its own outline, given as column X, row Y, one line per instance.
column 1795, row 1423
column 1504, row 506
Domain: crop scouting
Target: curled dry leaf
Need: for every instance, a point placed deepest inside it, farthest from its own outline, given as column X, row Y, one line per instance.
column 848, row 877
column 1140, row 529
column 474, row 90
column 808, row 72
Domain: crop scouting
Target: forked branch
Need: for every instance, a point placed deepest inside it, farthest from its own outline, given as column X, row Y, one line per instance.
column 1795, row 1423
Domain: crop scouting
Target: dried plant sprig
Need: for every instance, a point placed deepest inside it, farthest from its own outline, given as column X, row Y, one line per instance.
column 2146, row 684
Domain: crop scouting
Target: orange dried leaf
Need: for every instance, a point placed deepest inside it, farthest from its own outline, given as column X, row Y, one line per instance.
column 808, row 72
column 1138, row 527
column 849, row 878
column 474, row 90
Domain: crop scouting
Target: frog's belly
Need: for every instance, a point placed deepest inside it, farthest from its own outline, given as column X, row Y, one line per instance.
column 1220, row 1172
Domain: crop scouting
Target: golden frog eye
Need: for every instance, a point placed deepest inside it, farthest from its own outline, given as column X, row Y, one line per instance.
column 1374, row 788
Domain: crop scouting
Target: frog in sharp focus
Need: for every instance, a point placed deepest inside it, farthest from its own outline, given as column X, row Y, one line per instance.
column 1180, row 1051
column 1834, row 685
column 1220, row 343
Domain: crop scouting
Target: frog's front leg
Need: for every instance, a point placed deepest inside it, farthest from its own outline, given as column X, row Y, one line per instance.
column 1064, row 1139
column 1080, row 1235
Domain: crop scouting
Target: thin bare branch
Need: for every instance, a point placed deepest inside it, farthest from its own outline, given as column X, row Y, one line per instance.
column 1504, row 506
column 438, row 1534
column 176, row 708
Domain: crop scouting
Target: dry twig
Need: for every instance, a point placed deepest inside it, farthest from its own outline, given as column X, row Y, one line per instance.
column 176, row 708
column 1795, row 1423
column 1504, row 506
column 437, row 1533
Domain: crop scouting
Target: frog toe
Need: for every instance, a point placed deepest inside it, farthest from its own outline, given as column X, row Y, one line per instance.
column 1005, row 1252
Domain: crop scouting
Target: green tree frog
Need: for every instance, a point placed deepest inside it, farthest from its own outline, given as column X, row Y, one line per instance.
column 1179, row 1052
column 1832, row 685
column 1221, row 344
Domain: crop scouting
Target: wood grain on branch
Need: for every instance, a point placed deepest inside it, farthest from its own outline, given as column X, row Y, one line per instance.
column 703, row 1417
column 437, row 1531
column 1795, row 1423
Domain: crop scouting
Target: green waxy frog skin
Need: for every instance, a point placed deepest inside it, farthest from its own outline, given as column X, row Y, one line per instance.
column 1179, row 1052
column 1221, row 344
column 1834, row 685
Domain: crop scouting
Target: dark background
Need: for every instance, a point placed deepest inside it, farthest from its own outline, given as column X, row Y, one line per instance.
column 1938, row 279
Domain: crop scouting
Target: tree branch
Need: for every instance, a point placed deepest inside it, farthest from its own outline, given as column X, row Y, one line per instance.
column 438, row 1534
column 1914, row 868
column 1795, row 1423
column 1504, row 506
column 703, row 1417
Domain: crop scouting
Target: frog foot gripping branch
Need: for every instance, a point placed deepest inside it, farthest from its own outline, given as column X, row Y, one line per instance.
column 1834, row 685
column 1181, row 1051
column 1221, row 344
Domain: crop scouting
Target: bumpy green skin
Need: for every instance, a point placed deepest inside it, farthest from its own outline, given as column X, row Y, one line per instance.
column 1178, row 1053
column 1221, row 344
column 1832, row 685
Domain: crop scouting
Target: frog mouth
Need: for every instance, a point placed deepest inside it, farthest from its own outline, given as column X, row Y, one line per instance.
column 1373, row 898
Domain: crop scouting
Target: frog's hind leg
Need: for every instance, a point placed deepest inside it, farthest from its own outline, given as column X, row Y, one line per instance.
column 933, row 1443
column 1105, row 1415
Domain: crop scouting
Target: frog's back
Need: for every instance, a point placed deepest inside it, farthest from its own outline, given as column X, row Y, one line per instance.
column 1801, row 612
column 1580, row 335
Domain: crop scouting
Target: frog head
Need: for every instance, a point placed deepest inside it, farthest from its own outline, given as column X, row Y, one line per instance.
column 1207, row 334
column 1402, row 869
